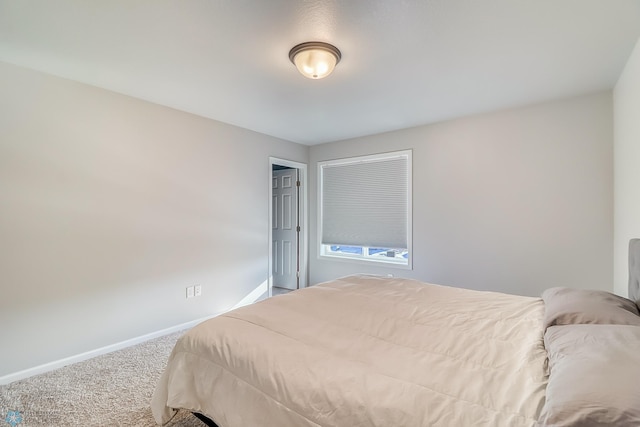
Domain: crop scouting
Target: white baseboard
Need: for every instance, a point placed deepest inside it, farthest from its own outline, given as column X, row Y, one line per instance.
column 253, row 296
column 41, row 369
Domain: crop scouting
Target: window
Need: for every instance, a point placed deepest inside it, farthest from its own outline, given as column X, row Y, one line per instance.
column 365, row 208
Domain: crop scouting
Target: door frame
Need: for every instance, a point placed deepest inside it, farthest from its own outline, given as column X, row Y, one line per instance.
column 303, row 211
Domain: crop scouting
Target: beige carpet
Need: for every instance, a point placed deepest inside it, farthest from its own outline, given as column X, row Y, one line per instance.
column 110, row 390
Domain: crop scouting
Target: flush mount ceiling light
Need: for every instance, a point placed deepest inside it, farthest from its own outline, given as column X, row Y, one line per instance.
column 315, row 60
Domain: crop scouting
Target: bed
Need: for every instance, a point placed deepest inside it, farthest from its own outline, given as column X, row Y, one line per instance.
column 376, row 351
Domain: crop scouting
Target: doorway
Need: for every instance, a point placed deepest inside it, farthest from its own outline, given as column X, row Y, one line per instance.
column 287, row 226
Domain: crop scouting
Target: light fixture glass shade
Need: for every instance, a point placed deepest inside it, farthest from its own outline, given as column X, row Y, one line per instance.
column 315, row 60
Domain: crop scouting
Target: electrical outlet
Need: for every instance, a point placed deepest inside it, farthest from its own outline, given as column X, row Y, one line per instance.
column 198, row 290
column 190, row 292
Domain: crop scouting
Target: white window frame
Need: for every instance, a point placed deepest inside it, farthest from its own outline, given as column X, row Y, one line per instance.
column 325, row 253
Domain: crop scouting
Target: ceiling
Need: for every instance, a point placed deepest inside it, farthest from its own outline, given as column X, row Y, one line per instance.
column 404, row 62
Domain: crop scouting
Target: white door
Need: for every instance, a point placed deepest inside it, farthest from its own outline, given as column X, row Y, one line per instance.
column 285, row 228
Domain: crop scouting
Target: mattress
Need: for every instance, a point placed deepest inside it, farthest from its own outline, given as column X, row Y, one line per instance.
column 364, row 351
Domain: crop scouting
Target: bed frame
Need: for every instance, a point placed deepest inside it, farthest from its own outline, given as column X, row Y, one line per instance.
column 634, row 270
column 205, row 420
column 634, row 295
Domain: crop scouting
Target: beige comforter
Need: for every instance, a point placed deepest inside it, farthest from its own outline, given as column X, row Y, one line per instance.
column 364, row 351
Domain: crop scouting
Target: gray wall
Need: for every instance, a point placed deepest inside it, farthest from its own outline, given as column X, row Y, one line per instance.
column 627, row 167
column 513, row 201
column 110, row 207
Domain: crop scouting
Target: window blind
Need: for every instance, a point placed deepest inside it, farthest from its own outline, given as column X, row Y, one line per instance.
column 366, row 202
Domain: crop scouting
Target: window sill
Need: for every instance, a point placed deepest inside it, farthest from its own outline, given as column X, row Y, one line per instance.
column 367, row 261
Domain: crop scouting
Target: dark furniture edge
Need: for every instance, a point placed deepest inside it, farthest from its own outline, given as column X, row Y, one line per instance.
column 205, row 420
